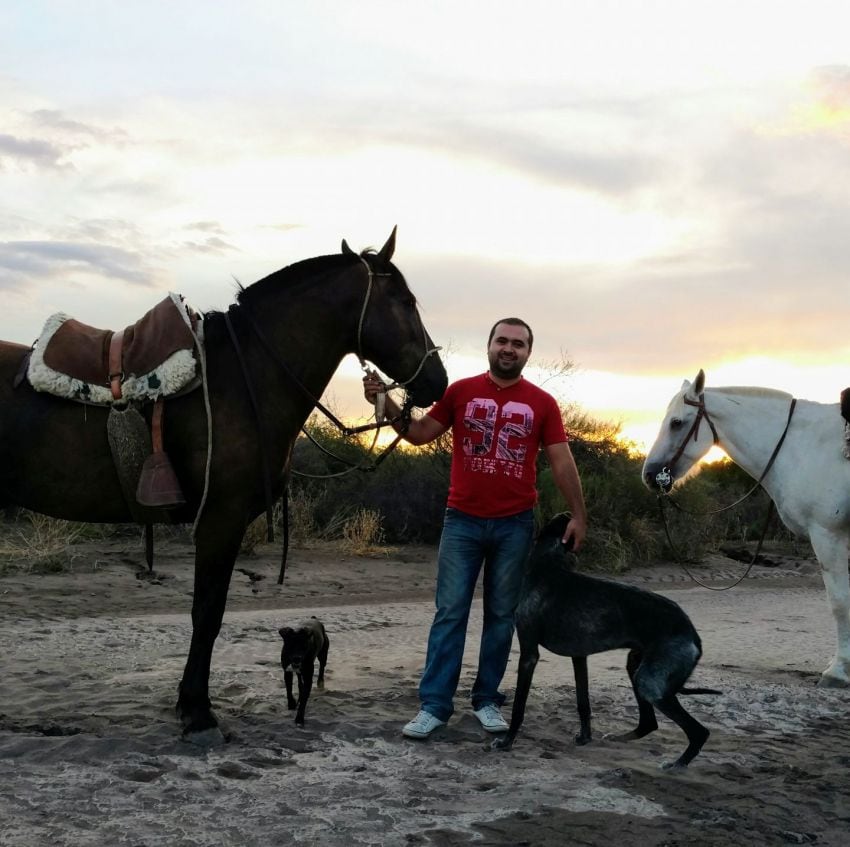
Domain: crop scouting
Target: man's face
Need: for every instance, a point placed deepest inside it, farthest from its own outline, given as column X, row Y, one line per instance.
column 508, row 351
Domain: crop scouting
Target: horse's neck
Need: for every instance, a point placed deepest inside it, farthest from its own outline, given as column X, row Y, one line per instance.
column 307, row 346
column 749, row 426
column 310, row 348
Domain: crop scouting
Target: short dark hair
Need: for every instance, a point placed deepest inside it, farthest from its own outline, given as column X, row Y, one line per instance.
column 512, row 322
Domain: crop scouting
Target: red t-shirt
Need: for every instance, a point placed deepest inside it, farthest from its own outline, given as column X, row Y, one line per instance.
column 496, row 434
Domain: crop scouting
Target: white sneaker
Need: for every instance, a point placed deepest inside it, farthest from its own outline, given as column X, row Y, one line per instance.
column 491, row 718
column 422, row 725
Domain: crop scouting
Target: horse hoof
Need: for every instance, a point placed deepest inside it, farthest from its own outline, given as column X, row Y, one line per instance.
column 673, row 767
column 200, row 727
column 206, row 738
column 833, row 682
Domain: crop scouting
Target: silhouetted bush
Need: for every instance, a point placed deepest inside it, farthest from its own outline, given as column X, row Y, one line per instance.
column 408, row 489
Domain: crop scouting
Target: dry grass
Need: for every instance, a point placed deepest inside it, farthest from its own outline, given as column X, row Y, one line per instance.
column 39, row 543
column 358, row 533
column 302, row 527
column 363, row 533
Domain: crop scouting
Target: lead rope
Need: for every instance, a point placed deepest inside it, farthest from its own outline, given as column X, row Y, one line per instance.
column 681, row 561
column 770, row 508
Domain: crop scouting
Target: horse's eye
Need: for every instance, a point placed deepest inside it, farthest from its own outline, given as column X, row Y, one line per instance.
column 676, row 423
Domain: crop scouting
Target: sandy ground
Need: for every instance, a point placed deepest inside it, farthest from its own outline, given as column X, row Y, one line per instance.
column 90, row 752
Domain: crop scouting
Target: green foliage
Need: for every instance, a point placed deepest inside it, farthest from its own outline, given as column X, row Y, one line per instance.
column 407, row 487
column 408, row 491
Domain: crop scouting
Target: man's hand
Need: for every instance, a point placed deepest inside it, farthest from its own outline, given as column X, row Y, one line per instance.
column 574, row 534
column 373, row 385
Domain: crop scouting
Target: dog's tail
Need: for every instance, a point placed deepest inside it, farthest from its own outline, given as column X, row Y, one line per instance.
column 698, row 691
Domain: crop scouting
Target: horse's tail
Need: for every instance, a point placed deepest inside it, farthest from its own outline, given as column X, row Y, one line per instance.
column 698, row 691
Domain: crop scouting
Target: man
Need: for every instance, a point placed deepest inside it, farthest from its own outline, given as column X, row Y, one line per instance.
column 499, row 421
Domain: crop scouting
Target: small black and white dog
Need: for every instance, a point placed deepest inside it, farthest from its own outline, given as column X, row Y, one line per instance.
column 572, row 614
column 301, row 647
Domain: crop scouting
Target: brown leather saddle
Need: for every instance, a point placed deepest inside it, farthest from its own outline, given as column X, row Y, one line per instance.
column 151, row 358
column 145, row 362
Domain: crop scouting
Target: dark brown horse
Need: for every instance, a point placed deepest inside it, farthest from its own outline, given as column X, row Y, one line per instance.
column 55, row 458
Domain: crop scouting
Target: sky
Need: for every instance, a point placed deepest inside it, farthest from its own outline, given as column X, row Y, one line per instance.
column 655, row 187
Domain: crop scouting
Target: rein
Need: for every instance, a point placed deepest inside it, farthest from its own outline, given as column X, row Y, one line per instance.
column 665, row 478
column 403, row 417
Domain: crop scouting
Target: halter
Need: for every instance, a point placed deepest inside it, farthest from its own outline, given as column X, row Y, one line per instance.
column 429, row 351
column 664, row 478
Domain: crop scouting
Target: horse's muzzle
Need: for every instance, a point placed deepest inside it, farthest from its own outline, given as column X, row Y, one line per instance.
column 429, row 386
column 658, row 479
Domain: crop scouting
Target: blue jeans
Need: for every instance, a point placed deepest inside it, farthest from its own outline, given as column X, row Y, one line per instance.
column 467, row 542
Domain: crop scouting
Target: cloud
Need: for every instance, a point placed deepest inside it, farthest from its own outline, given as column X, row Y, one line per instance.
column 215, row 246
column 23, row 261
column 56, row 139
column 541, row 158
column 31, row 151
column 55, row 120
column 213, row 227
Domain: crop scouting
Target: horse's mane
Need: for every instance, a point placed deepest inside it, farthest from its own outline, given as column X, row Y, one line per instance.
column 307, row 270
column 313, row 270
column 753, row 391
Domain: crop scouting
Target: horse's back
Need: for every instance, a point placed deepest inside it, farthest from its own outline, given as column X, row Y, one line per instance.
column 816, row 474
column 12, row 355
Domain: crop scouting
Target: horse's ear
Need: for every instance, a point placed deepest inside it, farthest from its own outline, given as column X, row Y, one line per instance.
column 699, row 382
column 386, row 252
column 346, row 248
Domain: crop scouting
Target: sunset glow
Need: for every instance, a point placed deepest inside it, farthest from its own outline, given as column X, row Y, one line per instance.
column 654, row 188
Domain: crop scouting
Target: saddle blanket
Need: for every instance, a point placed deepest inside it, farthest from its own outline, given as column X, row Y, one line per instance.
column 71, row 359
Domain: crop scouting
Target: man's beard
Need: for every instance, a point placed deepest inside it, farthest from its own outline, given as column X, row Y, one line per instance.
column 505, row 369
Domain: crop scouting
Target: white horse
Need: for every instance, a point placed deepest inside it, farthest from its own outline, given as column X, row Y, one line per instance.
column 809, row 479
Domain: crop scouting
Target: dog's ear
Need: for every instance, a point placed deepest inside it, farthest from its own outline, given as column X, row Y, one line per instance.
column 286, row 632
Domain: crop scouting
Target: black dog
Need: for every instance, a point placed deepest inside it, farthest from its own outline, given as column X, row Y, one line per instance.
column 576, row 615
column 301, row 647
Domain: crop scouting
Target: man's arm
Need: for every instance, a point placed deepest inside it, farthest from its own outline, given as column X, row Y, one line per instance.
column 420, row 431
column 565, row 474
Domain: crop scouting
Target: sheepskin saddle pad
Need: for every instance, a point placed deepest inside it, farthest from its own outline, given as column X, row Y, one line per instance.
column 71, row 359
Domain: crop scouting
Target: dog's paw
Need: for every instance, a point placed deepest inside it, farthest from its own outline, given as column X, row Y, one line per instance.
column 582, row 738
column 503, row 743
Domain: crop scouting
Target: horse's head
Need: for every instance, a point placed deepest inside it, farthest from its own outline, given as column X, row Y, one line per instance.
column 682, row 440
column 390, row 331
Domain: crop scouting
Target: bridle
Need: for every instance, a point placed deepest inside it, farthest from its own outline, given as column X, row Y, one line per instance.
column 664, row 479
column 428, row 351
column 404, row 416
column 275, row 356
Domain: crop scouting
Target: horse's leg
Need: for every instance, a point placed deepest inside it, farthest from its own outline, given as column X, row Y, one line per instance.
column 831, row 551
column 216, row 546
